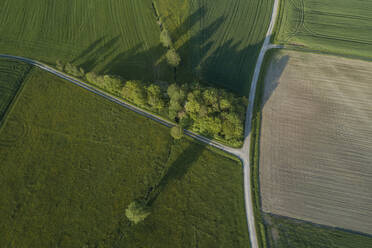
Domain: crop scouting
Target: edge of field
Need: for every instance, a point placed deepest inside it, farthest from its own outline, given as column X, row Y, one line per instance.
column 255, row 151
column 282, row 13
column 15, row 98
column 263, row 225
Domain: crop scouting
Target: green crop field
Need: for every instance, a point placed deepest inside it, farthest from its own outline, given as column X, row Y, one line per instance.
column 71, row 162
column 218, row 41
column 288, row 233
column 338, row 26
column 117, row 36
column 12, row 74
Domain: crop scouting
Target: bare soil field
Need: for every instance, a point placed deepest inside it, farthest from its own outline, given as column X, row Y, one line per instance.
column 316, row 140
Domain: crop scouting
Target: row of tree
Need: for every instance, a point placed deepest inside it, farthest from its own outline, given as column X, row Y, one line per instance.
column 212, row 112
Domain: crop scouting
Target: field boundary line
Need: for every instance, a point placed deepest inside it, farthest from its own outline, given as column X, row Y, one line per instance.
column 14, row 100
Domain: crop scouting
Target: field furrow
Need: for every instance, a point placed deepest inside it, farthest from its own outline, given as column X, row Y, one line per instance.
column 316, row 140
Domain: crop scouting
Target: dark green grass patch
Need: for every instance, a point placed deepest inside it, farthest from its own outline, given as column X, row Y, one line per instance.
column 218, row 40
column 337, row 26
column 118, row 37
column 290, row 233
column 12, row 74
column 71, row 162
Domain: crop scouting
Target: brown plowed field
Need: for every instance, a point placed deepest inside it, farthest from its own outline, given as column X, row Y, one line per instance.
column 316, row 140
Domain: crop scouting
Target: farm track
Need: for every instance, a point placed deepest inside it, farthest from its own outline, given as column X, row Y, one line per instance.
column 243, row 154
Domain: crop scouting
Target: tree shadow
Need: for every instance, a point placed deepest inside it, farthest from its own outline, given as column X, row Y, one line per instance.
column 96, row 54
column 277, row 66
column 230, row 65
column 177, row 170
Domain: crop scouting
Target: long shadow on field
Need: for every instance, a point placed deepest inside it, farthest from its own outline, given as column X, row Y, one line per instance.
column 276, row 67
column 143, row 63
column 177, row 170
column 96, row 54
column 279, row 219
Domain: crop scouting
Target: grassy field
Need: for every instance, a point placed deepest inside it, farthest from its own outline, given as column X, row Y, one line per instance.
column 338, row 26
column 316, row 140
column 288, row 233
column 118, row 36
column 11, row 76
column 71, row 162
column 219, row 39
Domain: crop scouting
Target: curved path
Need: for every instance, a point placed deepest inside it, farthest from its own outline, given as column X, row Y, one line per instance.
column 242, row 153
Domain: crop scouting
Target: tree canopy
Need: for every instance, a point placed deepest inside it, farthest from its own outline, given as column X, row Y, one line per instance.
column 137, row 212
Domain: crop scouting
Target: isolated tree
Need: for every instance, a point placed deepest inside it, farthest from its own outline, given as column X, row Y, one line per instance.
column 165, row 38
column 176, row 132
column 137, row 212
column 173, row 58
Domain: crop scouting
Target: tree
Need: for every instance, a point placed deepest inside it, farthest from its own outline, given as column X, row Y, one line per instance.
column 232, row 126
column 91, row 77
column 192, row 107
column 74, row 70
column 135, row 92
column 173, row 58
column 210, row 96
column 208, row 125
column 165, row 38
column 177, row 98
column 137, row 212
column 112, row 83
column 154, row 97
column 60, row 66
column 176, row 132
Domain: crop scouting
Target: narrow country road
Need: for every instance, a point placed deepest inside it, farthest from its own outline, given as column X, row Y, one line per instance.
column 245, row 151
column 242, row 153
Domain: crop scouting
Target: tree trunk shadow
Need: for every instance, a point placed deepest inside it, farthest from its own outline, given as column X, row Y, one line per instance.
column 176, row 171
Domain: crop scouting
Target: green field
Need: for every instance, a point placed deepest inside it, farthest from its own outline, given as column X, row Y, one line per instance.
column 218, row 41
column 12, row 74
column 71, row 162
column 337, row 26
column 118, row 36
column 288, row 233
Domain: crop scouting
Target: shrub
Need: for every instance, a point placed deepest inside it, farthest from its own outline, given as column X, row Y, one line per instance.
column 60, row 66
column 176, row 132
column 173, row 58
column 165, row 38
column 74, row 70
